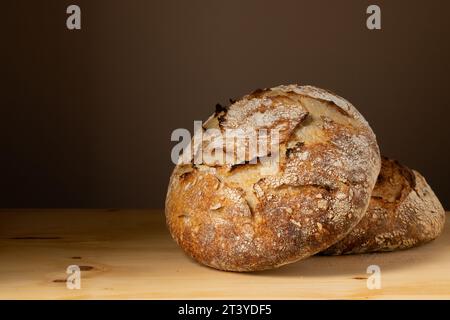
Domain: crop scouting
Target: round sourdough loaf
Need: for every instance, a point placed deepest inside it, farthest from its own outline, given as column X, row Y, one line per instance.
column 244, row 217
column 403, row 212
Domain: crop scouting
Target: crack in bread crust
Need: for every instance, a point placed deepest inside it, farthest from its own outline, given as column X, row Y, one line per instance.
column 261, row 216
column 403, row 212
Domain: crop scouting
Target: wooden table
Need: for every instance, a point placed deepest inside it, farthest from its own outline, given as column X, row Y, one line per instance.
column 128, row 254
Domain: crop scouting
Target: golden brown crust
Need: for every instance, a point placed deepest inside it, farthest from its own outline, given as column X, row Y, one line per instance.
column 403, row 212
column 245, row 217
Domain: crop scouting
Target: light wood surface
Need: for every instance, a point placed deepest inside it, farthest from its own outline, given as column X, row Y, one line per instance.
column 128, row 254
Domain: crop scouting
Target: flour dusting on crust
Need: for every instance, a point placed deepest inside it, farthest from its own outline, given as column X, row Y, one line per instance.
column 246, row 217
column 404, row 212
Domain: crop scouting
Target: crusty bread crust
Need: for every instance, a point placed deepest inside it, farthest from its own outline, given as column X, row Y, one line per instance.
column 403, row 212
column 246, row 217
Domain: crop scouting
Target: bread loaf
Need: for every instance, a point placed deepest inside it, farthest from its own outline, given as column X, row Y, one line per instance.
column 403, row 212
column 241, row 216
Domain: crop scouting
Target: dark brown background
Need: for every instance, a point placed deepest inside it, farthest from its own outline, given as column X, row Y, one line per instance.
column 86, row 116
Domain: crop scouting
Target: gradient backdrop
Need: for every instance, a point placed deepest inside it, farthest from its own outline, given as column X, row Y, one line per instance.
column 86, row 116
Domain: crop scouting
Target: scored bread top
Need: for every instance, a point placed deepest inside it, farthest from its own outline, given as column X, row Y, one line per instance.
column 242, row 217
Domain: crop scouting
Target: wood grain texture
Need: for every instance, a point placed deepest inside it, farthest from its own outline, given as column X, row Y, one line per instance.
column 128, row 254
